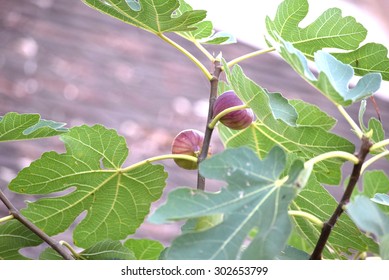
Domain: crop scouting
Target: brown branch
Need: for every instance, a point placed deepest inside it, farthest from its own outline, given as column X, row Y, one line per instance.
column 41, row 234
column 208, row 131
column 328, row 226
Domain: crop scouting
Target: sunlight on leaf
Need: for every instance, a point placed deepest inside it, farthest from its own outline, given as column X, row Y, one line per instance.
column 329, row 30
column 369, row 58
column 155, row 16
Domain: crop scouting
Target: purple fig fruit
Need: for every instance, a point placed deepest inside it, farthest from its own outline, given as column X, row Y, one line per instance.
column 237, row 120
column 188, row 142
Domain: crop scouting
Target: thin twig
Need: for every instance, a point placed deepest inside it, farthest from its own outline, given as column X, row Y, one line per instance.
column 41, row 234
column 327, row 227
column 208, row 130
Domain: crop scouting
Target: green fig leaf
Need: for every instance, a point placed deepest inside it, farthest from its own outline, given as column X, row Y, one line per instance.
column 155, row 16
column 145, row 249
column 369, row 58
column 334, row 76
column 329, row 30
column 13, row 237
column 255, row 197
column 89, row 177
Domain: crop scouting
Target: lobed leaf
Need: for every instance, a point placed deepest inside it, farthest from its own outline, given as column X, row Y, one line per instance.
column 334, row 76
column 305, row 140
column 89, row 178
column 330, row 30
column 255, row 197
column 14, row 126
column 155, row 16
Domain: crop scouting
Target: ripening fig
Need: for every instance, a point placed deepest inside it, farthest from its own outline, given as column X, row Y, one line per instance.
column 188, row 142
column 237, row 120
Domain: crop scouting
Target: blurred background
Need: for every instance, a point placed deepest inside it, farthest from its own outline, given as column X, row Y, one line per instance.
column 72, row 64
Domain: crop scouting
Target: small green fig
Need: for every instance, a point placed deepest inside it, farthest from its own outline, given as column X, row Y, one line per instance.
column 237, row 120
column 188, row 142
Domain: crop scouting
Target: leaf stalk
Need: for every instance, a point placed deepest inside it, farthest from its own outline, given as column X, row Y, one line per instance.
column 158, row 158
column 6, row 218
column 355, row 127
column 249, row 55
column 307, row 216
column 379, row 145
column 374, row 159
column 204, row 51
column 70, row 248
column 334, row 154
column 188, row 54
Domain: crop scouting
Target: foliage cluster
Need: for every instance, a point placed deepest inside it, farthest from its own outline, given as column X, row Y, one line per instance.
column 274, row 204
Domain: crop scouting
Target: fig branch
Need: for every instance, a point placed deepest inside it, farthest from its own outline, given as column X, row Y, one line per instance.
column 328, row 226
column 348, row 118
column 40, row 233
column 208, row 131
